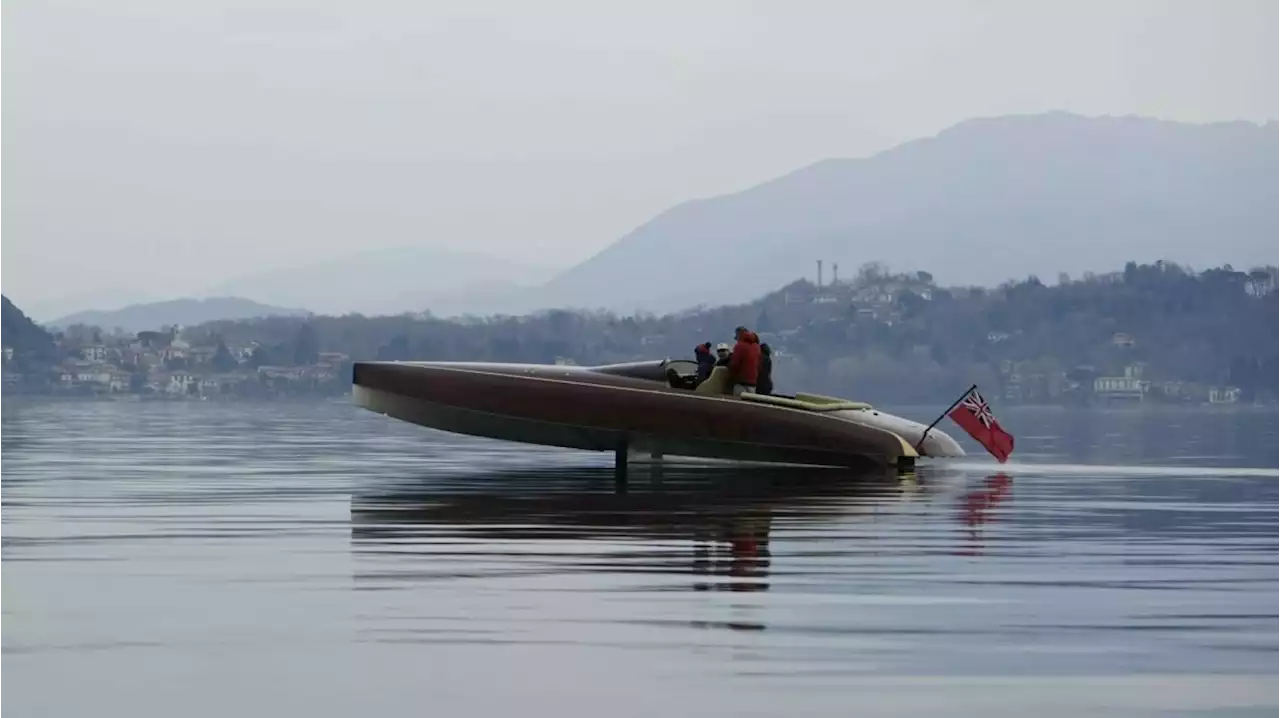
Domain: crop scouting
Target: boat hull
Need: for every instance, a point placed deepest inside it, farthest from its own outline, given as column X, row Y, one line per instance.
column 578, row 408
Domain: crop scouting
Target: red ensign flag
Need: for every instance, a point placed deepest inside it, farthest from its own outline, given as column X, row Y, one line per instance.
column 974, row 416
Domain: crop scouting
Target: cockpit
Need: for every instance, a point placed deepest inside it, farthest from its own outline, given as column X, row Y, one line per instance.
column 676, row 373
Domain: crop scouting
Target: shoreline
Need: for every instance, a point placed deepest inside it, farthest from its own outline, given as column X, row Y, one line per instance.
column 1130, row 407
column 140, row 399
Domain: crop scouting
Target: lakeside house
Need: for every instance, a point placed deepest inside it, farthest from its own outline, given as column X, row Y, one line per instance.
column 164, row 364
column 1129, row 387
column 1224, row 395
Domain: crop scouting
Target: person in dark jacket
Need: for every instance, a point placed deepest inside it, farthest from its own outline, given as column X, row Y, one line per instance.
column 744, row 363
column 706, row 361
column 764, row 380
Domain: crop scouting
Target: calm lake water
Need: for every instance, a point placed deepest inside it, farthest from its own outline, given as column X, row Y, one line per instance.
column 315, row 559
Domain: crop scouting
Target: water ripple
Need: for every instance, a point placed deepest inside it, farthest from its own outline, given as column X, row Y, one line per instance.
column 175, row 558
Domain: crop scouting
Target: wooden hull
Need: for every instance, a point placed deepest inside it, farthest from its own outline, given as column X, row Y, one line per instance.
column 595, row 410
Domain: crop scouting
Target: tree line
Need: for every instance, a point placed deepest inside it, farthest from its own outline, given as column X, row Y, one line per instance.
column 881, row 336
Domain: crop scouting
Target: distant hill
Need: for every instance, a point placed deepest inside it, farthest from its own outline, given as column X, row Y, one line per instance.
column 187, row 312
column 388, row 281
column 29, row 342
column 983, row 201
column 45, row 310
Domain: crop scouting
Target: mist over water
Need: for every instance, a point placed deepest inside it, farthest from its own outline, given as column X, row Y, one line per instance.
column 257, row 559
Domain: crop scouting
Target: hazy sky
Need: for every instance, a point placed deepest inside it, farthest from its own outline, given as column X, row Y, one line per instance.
column 164, row 146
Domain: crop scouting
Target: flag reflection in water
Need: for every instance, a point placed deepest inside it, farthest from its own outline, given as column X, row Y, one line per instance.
column 738, row 549
column 978, row 507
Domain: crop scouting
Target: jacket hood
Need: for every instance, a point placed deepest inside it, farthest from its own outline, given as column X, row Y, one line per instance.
column 750, row 338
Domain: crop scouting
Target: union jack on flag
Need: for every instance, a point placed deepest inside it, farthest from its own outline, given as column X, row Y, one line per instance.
column 978, row 407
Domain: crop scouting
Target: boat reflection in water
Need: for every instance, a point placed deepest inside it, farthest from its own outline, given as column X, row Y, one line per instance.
column 715, row 524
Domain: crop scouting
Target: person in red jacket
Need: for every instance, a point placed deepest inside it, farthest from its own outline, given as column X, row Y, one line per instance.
column 744, row 363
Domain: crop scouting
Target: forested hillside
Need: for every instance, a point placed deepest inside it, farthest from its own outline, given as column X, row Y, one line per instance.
column 29, row 345
column 884, row 336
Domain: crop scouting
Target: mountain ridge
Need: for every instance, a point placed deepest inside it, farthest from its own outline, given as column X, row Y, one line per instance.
column 978, row 202
column 381, row 281
column 998, row 185
column 186, row 311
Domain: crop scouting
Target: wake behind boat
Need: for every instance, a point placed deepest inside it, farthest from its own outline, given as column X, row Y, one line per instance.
column 646, row 407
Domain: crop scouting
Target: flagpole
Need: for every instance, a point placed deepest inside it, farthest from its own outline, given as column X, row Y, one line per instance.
column 929, row 428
